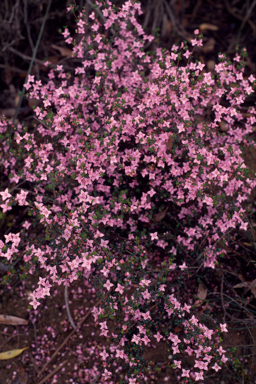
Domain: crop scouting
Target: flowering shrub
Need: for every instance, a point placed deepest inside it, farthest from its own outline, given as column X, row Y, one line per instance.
column 124, row 173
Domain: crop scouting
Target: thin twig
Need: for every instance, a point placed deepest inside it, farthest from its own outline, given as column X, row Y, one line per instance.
column 248, row 14
column 31, row 64
column 172, row 19
column 29, row 35
column 23, row 56
column 146, row 20
column 13, row 69
column 33, row 362
column 39, row 121
column 156, row 13
column 253, row 321
column 53, row 372
column 222, row 299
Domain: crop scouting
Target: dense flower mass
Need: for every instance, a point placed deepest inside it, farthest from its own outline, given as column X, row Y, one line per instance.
column 126, row 167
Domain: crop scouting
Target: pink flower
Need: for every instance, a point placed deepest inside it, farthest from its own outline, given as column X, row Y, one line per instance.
column 146, row 340
column 186, row 308
column 146, row 315
column 65, row 33
column 221, row 350
column 194, row 320
column 158, row 336
column 119, row 289
column 224, row 359
column 251, row 78
column 106, row 374
column 177, row 363
column 108, row 285
column 208, row 200
column 141, row 329
column 120, row 353
column 154, row 236
column 189, row 350
column 216, row 367
column 200, row 364
column 5, row 207
column 162, row 287
column 135, row 339
column 174, row 338
column 183, row 266
column 34, row 303
column 185, row 373
column 208, row 333
column 244, row 226
column 199, row 376
column 104, row 355
column 26, row 224
column 223, row 327
column 5, row 194
column 175, row 349
column 146, row 294
column 151, row 192
column 187, row 54
column 145, row 282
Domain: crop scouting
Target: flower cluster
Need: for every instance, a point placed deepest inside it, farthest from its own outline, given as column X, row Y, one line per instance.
column 125, row 169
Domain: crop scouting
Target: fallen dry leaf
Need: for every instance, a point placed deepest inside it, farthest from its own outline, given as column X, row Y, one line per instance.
column 223, row 126
column 210, row 65
column 166, row 26
column 209, row 27
column 201, row 292
column 251, row 286
column 33, row 102
column 159, row 216
column 170, row 142
column 209, row 45
column 12, row 353
column 7, row 112
column 12, row 320
column 241, row 277
column 62, row 50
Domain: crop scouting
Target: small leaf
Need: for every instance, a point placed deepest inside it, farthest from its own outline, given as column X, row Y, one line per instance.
column 63, row 51
column 10, row 354
column 201, row 292
column 242, row 285
column 249, row 285
column 223, row 126
column 209, row 27
column 159, row 216
column 170, row 142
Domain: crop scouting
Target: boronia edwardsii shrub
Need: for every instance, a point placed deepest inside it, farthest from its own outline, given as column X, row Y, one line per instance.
column 132, row 186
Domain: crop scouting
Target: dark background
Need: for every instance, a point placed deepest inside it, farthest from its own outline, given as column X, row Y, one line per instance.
column 224, row 23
